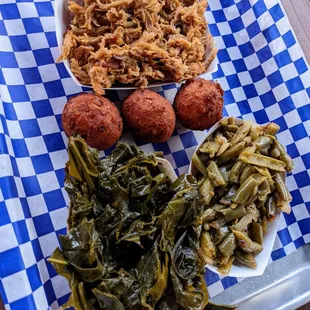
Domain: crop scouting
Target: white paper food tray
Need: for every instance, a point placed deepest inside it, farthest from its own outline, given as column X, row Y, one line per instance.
column 62, row 21
column 263, row 257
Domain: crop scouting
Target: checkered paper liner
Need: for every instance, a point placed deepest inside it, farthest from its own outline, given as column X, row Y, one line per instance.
column 265, row 77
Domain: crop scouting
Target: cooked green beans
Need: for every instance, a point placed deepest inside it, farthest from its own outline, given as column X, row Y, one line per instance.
column 228, row 245
column 247, row 171
column 262, row 161
column 246, row 244
column 231, row 214
column 210, row 147
column 231, row 153
column 241, row 133
column 236, row 171
column 220, row 234
column 263, row 142
column 281, row 188
column 246, row 259
column 207, row 191
column 207, row 246
column 199, row 165
column 272, row 129
column 225, row 268
column 248, row 187
column 215, row 174
column 240, row 169
column 256, row 233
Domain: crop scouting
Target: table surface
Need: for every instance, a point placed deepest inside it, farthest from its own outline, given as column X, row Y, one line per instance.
column 298, row 12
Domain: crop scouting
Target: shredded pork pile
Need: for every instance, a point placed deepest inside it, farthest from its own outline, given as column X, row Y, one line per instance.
column 137, row 41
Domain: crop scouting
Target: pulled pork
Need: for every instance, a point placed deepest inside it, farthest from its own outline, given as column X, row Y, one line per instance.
column 137, row 41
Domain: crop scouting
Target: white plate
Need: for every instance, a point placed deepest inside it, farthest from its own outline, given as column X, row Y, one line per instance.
column 269, row 239
column 62, row 22
column 165, row 166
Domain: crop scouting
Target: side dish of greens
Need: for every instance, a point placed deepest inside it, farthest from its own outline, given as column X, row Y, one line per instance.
column 240, row 170
column 133, row 238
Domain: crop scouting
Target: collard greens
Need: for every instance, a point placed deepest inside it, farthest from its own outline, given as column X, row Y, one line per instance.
column 133, row 238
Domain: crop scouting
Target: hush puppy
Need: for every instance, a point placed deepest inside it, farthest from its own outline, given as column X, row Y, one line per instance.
column 149, row 115
column 199, row 104
column 93, row 117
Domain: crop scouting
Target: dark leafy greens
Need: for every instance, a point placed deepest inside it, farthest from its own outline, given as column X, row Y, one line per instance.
column 133, row 238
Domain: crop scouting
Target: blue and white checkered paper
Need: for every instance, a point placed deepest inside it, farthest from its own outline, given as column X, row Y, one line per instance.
column 265, row 77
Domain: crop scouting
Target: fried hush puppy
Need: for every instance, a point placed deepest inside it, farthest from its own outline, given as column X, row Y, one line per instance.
column 199, row 104
column 149, row 116
column 94, row 118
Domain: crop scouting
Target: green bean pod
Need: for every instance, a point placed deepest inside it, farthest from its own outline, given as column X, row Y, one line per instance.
column 231, row 214
column 281, row 188
column 210, row 147
column 288, row 161
column 221, row 260
column 255, row 132
column 275, row 153
column 247, row 140
column 264, row 171
column 218, row 207
column 230, row 153
column 228, row 245
column 253, row 198
column 200, row 181
column 229, row 135
column 272, row 129
column 262, row 161
column 241, row 133
column 225, row 121
column 207, row 191
column 263, row 190
column 231, row 128
column 218, row 223
column 208, row 247
column 263, row 142
column 256, row 233
column 251, row 148
column 224, row 269
column 219, row 234
column 261, row 202
column 252, row 214
column 223, row 148
column 199, row 165
column 215, row 174
column 208, row 215
column 224, row 173
column 206, row 226
column 247, row 188
column 247, row 171
column 246, row 259
column 246, row 244
column 263, row 211
column 289, row 164
column 236, row 171
column 264, row 152
column 232, row 121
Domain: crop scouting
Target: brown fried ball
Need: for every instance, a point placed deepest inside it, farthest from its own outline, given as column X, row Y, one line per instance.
column 149, row 115
column 199, row 103
column 94, row 118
